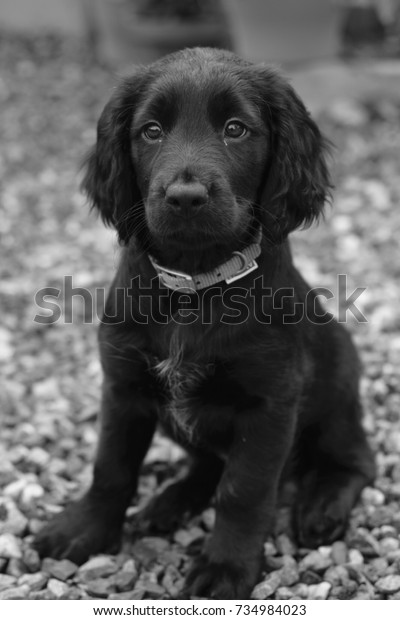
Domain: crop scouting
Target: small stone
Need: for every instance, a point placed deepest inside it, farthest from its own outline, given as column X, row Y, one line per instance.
column 20, row 593
column 97, row 567
column 172, row 581
column 268, row 587
column 388, row 584
column 208, row 519
column 129, row 566
column 389, row 544
column 289, row 571
column 154, row 590
column 319, row 591
column 355, row 557
column 269, row 549
column 59, row 569
column 57, row 588
column 373, row 497
column 300, row 591
column 285, row 545
column 122, row 596
column 40, row 595
column 39, row 457
column 336, row 575
column 15, row 567
column 339, row 552
column 284, row 594
column 35, row 581
column 30, row 494
column 186, row 538
column 100, row 587
column 147, row 550
column 315, row 561
column 124, row 581
column 310, row 577
column 12, row 521
column 365, row 543
column 6, row 582
column 395, row 490
column 31, row 560
column 9, row 547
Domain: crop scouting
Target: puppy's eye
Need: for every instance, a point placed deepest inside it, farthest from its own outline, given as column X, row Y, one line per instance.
column 234, row 129
column 152, row 131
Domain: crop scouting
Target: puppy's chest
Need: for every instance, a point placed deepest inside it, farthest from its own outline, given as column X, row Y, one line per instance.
column 195, row 408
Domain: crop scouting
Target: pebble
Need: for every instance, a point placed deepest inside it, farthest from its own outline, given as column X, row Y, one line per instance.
column 19, row 593
column 269, row 549
column 123, row 596
column 154, row 591
column 147, row 550
column 129, row 566
column 39, row 457
column 289, row 571
column 388, row 544
column 12, row 521
column 35, row 581
column 31, row 559
column 365, row 543
column 16, row 567
column 388, row 584
column 7, row 581
column 336, row 575
column 9, row 546
column 30, row 494
column 315, row 561
column 59, row 569
column 339, row 552
column 355, row 557
column 97, row 567
column 57, row 588
column 285, row 545
column 100, row 587
column 208, row 519
column 310, row 577
column 284, row 594
column 319, row 591
column 268, row 587
column 172, row 581
column 185, row 538
column 395, row 490
column 124, row 580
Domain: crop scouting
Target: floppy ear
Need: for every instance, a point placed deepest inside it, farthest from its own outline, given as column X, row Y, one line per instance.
column 109, row 179
column 297, row 182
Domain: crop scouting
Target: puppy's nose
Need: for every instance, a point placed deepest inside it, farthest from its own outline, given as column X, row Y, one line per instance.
column 186, row 198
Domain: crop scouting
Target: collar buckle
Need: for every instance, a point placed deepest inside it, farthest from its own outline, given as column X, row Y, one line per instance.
column 244, row 270
column 174, row 279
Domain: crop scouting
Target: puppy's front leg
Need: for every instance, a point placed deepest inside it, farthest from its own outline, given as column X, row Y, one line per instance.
column 94, row 523
column 245, row 505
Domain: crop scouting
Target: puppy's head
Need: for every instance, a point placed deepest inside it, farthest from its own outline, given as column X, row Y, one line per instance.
column 201, row 148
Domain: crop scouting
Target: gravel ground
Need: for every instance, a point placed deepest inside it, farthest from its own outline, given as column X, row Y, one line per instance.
column 50, row 97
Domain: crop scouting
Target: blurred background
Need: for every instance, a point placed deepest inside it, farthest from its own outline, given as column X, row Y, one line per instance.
column 59, row 60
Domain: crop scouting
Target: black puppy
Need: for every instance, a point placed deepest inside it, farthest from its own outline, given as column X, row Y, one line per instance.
column 204, row 163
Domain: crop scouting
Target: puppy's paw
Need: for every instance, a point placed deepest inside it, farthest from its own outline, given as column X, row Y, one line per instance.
column 77, row 533
column 166, row 510
column 321, row 522
column 219, row 580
